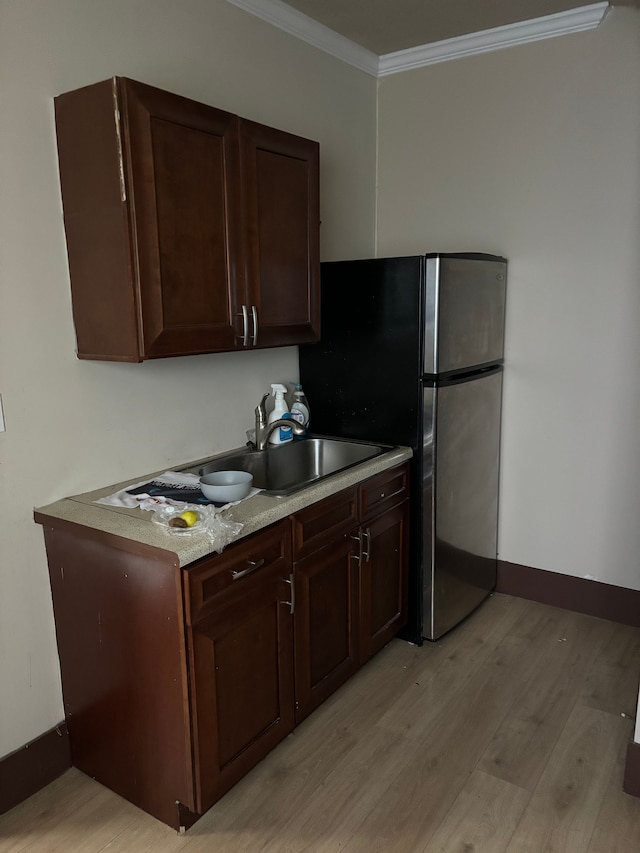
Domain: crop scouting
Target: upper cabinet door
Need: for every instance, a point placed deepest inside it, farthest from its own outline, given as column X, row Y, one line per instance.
column 281, row 216
column 181, row 164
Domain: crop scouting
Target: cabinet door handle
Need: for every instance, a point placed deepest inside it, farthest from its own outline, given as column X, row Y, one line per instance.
column 366, row 534
column 291, row 604
column 254, row 312
column 251, row 568
column 245, row 326
column 357, row 539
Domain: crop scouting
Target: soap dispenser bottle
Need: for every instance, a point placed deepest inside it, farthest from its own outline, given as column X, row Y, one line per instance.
column 280, row 410
column 300, row 408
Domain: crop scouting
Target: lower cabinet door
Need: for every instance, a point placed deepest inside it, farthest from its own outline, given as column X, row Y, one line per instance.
column 326, row 616
column 383, row 579
column 241, row 680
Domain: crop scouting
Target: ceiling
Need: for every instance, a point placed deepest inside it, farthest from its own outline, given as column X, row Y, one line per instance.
column 386, row 26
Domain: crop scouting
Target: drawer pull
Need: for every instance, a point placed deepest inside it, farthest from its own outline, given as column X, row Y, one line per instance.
column 252, row 568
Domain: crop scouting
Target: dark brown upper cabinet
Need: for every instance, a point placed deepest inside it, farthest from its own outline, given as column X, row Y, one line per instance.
column 189, row 230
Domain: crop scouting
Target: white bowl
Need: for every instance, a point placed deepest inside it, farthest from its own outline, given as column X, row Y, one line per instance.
column 226, row 486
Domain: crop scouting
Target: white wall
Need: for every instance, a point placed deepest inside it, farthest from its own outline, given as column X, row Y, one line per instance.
column 534, row 152
column 71, row 425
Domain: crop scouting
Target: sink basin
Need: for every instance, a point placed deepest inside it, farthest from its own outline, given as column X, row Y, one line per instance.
column 282, row 470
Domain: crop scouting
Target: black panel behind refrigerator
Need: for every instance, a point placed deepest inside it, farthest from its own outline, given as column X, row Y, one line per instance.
column 366, row 371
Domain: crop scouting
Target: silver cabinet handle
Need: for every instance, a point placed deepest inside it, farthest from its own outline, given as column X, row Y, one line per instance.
column 291, row 604
column 254, row 312
column 366, row 534
column 252, row 568
column 357, row 539
column 245, row 326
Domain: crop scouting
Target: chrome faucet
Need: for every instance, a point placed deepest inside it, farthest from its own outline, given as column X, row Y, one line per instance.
column 264, row 430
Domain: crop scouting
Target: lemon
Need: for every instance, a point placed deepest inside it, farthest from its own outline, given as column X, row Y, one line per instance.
column 189, row 516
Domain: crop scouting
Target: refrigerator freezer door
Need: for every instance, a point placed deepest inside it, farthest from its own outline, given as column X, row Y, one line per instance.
column 464, row 312
column 461, row 465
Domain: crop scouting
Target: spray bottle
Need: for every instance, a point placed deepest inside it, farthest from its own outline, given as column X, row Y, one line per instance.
column 280, row 410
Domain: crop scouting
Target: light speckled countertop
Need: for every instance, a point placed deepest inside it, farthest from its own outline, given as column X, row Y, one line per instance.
column 254, row 513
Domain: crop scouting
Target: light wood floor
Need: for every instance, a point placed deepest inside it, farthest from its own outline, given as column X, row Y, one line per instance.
column 507, row 736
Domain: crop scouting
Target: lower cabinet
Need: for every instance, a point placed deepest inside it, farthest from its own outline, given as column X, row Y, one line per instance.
column 384, row 537
column 241, row 660
column 350, row 583
column 327, row 601
column 383, row 580
column 177, row 681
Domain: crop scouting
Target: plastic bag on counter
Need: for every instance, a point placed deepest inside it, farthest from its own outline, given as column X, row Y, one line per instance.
column 210, row 522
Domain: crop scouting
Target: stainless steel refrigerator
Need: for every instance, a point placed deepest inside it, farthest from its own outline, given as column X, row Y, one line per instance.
column 411, row 353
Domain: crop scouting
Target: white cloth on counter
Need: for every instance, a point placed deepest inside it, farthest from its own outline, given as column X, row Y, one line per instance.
column 220, row 530
column 145, row 501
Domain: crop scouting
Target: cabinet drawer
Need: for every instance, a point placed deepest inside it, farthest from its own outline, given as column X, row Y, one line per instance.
column 238, row 563
column 321, row 523
column 383, row 491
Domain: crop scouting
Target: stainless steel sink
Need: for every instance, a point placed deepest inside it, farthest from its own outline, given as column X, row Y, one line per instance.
column 285, row 469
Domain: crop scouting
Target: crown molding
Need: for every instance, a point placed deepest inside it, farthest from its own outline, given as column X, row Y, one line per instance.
column 297, row 24
column 549, row 26
column 286, row 18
